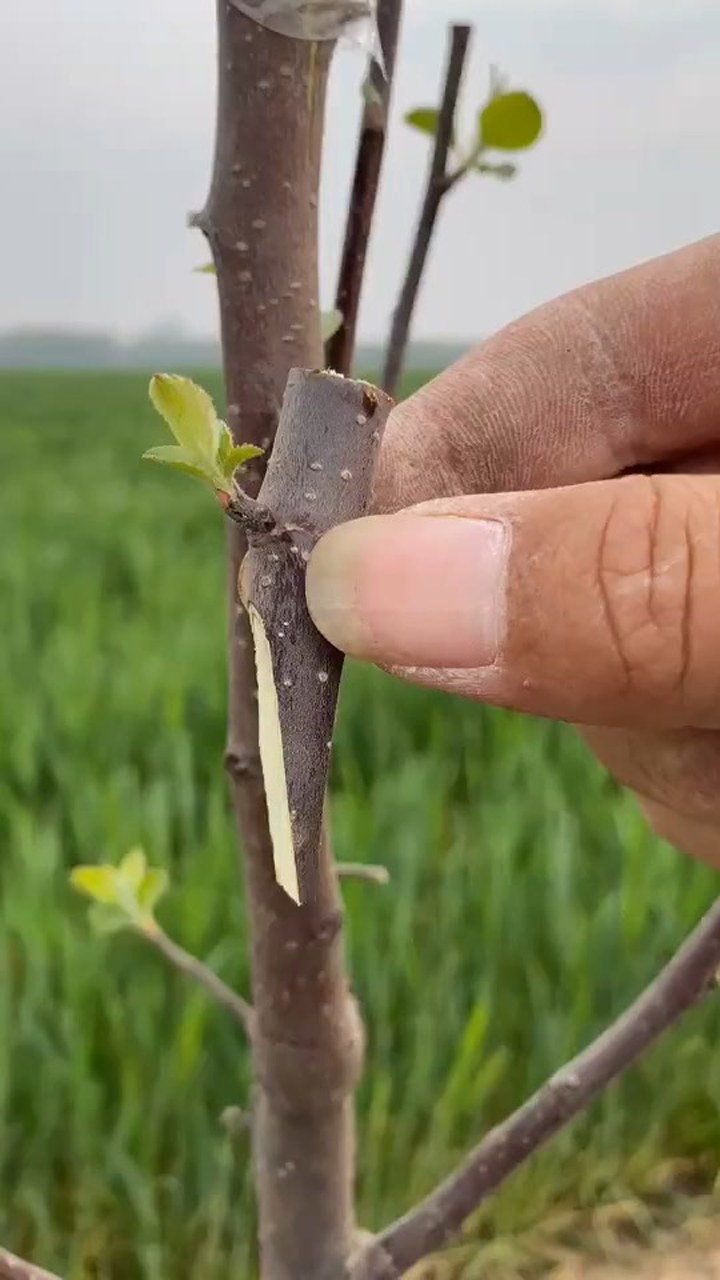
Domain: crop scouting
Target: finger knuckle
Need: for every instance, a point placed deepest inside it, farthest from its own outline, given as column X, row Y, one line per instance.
column 644, row 578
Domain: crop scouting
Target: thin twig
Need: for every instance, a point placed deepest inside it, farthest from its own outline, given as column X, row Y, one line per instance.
column 195, row 969
column 13, row 1268
column 246, row 511
column 688, row 977
column 436, row 189
column 368, row 164
column 454, row 176
column 363, row 871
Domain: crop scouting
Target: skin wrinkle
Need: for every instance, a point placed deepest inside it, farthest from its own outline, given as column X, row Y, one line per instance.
column 608, row 607
column 653, row 532
column 686, row 617
column 659, row 630
column 608, row 385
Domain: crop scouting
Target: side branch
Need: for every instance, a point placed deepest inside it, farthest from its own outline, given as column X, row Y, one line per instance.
column 250, row 514
column 370, row 872
column 437, row 187
column 13, row 1268
column 368, row 164
column 193, row 968
column 689, row 976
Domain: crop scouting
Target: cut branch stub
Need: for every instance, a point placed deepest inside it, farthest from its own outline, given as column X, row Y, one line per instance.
column 319, row 475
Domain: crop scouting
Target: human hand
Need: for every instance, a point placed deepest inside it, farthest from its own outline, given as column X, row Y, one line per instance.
column 581, row 580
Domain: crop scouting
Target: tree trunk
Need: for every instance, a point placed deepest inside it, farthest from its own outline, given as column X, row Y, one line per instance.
column 261, row 223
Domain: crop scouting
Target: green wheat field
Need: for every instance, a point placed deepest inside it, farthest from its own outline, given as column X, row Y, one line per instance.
column 527, row 905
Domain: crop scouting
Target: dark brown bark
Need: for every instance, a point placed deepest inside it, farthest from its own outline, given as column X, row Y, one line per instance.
column 320, row 474
column 261, row 223
column 12, row 1268
column 437, row 187
column 368, row 164
column 690, row 975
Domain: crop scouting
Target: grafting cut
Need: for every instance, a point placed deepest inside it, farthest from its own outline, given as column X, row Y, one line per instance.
column 319, row 475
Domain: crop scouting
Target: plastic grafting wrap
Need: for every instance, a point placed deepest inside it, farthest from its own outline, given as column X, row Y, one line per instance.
column 354, row 21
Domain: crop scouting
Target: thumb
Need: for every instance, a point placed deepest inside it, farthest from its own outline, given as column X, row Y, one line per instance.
column 598, row 603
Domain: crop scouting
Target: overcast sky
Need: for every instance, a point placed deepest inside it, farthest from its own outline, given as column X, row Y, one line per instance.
column 106, row 117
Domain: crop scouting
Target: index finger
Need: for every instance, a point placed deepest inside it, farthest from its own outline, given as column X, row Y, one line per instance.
column 621, row 373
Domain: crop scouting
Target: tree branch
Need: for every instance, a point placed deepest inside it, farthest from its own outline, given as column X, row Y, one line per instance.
column 454, row 176
column 250, row 514
column 436, row 189
column 363, row 871
column 368, row 164
column 688, row 977
column 193, row 968
column 13, row 1268
column 319, row 475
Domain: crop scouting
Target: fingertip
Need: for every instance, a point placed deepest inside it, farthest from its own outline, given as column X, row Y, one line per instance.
column 411, row 589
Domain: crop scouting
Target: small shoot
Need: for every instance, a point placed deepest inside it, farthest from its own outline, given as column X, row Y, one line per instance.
column 510, row 120
column 505, row 172
column 207, row 269
column 123, row 896
column 205, row 447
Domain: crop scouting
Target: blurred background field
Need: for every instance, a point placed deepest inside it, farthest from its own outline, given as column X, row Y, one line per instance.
column 527, row 904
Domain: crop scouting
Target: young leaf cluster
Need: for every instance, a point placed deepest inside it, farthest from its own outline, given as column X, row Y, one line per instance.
column 204, row 447
column 123, row 896
column 510, row 121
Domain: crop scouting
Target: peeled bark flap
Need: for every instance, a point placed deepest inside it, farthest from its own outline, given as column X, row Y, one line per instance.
column 319, row 475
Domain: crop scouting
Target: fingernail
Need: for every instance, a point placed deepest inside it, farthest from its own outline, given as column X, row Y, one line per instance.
column 421, row 590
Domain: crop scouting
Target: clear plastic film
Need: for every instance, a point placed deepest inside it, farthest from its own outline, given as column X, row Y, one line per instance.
column 351, row 21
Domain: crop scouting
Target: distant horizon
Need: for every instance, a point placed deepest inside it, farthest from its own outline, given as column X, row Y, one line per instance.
column 73, row 347
column 177, row 332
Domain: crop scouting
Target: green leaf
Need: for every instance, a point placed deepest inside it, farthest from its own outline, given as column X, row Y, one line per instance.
column 510, row 122
column 124, row 895
column 225, row 445
column 330, row 322
column 132, row 869
column 207, row 269
column 154, row 885
column 171, row 455
column 99, row 883
column 503, row 171
column 205, row 447
column 232, row 455
column 423, row 118
column 240, row 454
column 189, row 413
column 106, row 919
